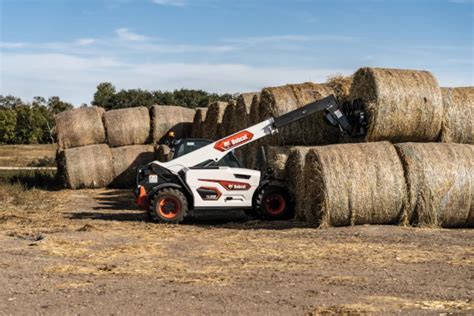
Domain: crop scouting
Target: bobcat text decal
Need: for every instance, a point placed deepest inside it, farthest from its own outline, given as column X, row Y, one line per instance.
column 230, row 185
column 233, row 141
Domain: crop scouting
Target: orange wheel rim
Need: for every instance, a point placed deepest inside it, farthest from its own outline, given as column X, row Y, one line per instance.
column 275, row 204
column 169, row 207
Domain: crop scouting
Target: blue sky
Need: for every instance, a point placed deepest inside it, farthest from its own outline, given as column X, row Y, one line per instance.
column 65, row 48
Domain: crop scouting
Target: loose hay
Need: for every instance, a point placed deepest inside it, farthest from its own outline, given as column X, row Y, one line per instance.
column 212, row 123
column 86, row 167
column 458, row 118
column 80, row 127
column 341, row 86
column 125, row 160
column 198, row 121
column 129, row 126
column 276, row 159
column 352, row 184
column 440, row 181
column 309, row 131
column 295, row 179
column 167, row 118
column 401, row 105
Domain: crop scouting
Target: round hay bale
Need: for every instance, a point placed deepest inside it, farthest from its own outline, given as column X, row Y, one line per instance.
column 351, row 184
column 86, row 167
column 401, row 105
column 276, row 159
column 227, row 126
column 254, row 116
column 341, row 86
column 80, row 127
column 125, row 160
column 167, row 118
column 130, row 126
column 250, row 151
column 213, row 121
column 295, row 178
column 458, row 118
column 163, row 153
column 241, row 119
column 440, row 181
column 312, row 130
column 198, row 121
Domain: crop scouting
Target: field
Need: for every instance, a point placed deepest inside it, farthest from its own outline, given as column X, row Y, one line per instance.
column 91, row 251
column 27, row 155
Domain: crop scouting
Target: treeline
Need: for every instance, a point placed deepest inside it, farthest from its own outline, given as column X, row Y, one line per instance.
column 29, row 123
column 107, row 97
column 33, row 122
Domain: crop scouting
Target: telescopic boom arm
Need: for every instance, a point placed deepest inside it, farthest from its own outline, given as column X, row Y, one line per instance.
column 217, row 150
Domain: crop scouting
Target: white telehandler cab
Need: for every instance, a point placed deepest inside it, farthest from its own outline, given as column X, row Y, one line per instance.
column 205, row 175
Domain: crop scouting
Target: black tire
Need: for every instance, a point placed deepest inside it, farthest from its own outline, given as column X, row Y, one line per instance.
column 274, row 203
column 168, row 206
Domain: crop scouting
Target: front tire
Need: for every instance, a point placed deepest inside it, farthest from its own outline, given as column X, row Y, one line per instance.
column 168, row 206
column 274, row 203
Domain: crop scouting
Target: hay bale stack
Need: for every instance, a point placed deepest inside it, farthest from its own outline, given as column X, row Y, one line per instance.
column 341, row 86
column 350, row 184
column 227, row 127
column 86, row 167
column 241, row 118
column 458, row 118
column 254, row 116
column 295, row 178
column 80, row 127
column 250, row 151
column 198, row 121
column 276, row 159
column 309, row 131
column 401, row 105
column 124, row 161
column 440, row 181
column 167, row 118
column 130, row 126
column 212, row 123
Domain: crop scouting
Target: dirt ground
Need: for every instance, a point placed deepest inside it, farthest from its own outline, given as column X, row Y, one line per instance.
column 91, row 252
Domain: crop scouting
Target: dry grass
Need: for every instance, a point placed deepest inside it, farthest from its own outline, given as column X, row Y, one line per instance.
column 27, row 155
column 458, row 125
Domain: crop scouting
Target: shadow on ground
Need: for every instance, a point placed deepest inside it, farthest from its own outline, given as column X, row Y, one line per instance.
column 118, row 205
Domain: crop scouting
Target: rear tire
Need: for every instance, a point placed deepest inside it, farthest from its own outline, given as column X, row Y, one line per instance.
column 274, row 203
column 168, row 206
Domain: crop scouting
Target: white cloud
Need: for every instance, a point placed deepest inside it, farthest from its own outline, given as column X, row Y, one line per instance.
column 173, row 3
column 125, row 34
column 75, row 78
column 12, row 45
column 254, row 40
column 85, row 41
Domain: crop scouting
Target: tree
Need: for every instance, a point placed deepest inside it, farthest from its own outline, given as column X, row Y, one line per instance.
column 7, row 126
column 55, row 105
column 105, row 91
column 9, row 102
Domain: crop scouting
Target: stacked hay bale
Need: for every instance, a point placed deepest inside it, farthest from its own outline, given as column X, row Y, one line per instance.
column 170, row 118
column 212, row 127
column 401, row 105
column 350, row 184
column 197, row 127
column 99, row 149
column 295, row 172
column 83, row 160
column 440, row 180
column 227, row 127
column 458, row 122
column 276, row 160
